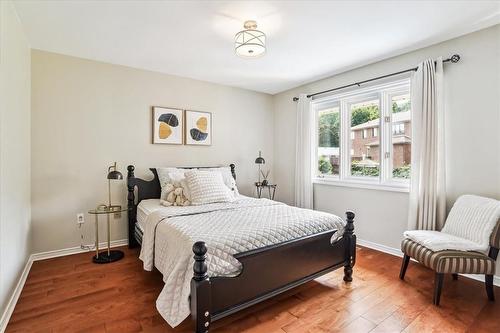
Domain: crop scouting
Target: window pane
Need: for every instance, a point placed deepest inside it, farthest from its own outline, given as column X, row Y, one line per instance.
column 365, row 147
column 328, row 141
column 401, row 136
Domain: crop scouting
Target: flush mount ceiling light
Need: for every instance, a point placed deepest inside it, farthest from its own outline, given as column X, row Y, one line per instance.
column 250, row 43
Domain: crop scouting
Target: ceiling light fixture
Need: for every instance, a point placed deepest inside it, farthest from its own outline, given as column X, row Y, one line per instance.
column 250, row 43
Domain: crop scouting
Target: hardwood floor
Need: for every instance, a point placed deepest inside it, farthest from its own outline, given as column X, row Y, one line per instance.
column 71, row 294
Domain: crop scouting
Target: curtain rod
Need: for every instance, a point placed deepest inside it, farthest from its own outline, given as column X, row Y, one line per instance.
column 454, row 59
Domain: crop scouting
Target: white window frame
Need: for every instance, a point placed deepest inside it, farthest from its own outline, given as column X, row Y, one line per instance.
column 384, row 93
column 375, row 132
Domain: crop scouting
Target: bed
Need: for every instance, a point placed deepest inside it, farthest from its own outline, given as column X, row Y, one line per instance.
column 241, row 253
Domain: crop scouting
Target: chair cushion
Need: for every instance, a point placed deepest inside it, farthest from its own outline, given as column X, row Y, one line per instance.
column 439, row 241
column 449, row 261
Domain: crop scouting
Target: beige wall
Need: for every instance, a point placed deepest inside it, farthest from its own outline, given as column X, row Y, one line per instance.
column 87, row 114
column 472, row 98
column 14, row 151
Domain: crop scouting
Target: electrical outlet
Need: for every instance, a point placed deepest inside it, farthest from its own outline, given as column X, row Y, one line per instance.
column 80, row 218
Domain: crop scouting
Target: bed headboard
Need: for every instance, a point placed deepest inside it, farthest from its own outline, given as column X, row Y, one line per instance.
column 147, row 189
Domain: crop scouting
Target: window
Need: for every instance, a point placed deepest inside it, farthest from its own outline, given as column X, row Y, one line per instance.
column 401, row 139
column 328, row 141
column 398, row 128
column 380, row 155
column 364, row 161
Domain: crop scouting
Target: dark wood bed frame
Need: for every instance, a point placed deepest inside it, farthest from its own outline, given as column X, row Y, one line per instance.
column 266, row 271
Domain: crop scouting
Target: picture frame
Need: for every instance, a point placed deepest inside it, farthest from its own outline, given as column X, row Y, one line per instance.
column 167, row 125
column 198, row 128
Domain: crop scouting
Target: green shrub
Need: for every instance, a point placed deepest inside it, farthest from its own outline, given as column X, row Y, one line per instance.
column 359, row 170
column 403, row 171
column 324, row 165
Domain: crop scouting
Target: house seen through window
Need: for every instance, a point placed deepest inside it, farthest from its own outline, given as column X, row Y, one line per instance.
column 365, row 135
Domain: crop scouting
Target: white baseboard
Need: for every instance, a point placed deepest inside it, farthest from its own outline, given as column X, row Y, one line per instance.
column 75, row 250
column 397, row 252
column 11, row 304
column 379, row 247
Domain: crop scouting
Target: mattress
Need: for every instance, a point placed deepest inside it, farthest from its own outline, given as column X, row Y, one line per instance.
column 145, row 208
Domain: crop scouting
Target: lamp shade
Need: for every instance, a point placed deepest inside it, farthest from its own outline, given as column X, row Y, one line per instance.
column 260, row 159
column 115, row 175
column 250, row 43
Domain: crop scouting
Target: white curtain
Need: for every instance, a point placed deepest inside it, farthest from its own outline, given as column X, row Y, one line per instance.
column 303, row 154
column 427, row 197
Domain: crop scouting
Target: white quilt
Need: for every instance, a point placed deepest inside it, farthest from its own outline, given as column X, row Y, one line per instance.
column 227, row 229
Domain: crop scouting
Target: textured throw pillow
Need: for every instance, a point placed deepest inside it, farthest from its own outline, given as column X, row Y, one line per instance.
column 207, row 187
column 227, row 178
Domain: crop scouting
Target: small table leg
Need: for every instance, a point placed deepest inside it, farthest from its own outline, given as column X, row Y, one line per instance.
column 96, row 236
column 109, row 237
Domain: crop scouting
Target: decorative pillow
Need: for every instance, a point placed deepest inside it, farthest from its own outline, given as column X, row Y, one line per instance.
column 227, row 176
column 207, row 187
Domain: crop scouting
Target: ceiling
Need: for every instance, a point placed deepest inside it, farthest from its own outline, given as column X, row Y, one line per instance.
column 307, row 40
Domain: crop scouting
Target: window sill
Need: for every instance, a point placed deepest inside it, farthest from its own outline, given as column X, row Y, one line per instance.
column 393, row 187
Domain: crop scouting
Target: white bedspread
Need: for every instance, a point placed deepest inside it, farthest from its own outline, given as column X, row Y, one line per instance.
column 227, row 229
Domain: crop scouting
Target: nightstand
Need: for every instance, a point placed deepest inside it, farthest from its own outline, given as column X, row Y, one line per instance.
column 109, row 255
column 271, row 188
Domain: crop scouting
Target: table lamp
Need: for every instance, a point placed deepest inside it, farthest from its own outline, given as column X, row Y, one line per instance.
column 259, row 160
column 113, row 174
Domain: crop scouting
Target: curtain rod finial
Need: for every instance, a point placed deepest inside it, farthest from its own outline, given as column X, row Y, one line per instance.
column 455, row 58
column 295, row 99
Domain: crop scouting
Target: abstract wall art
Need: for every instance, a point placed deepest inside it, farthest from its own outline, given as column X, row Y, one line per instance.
column 168, row 124
column 198, row 128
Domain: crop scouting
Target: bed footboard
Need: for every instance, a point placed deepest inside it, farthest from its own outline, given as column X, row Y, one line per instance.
column 267, row 272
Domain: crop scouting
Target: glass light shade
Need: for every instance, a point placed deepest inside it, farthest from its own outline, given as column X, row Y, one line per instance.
column 250, row 43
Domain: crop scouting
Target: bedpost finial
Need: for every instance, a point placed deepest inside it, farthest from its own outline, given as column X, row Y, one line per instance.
column 130, row 169
column 200, row 266
column 349, row 228
column 199, row 249
column 232, row 166
column 350, row 215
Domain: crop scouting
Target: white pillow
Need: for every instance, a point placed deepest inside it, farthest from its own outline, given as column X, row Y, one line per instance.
column 207, row 187
column 227, row 176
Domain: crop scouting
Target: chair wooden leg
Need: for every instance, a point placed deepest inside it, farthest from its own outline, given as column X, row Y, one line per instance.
column 488, row 281
column 438, row 285
column 455, row 276
column 404, row 266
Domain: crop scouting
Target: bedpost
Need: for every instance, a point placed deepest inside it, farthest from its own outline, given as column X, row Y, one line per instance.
column 200, row 290
column 132, row 209
column 232, row 166
column 350, row 238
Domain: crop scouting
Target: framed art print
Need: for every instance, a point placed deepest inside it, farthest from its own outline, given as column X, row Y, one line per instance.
column 168, row 124
column 198, row 128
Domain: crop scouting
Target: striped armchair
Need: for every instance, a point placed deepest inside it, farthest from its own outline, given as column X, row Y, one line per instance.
column 453, row 262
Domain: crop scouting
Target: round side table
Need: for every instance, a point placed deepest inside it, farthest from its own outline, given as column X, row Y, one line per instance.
column 105, row 257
